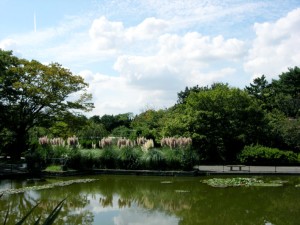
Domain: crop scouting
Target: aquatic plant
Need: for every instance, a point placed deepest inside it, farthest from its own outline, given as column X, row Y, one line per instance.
column 46, row 186
column 241, row 182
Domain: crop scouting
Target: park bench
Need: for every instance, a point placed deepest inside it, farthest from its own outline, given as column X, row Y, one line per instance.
column 232, row 167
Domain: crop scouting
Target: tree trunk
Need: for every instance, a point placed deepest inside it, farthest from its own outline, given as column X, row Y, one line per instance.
column 20, row 145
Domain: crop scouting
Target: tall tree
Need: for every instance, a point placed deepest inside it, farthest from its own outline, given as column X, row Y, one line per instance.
column 220, row 120
column 287, row 92
column 32, row 92
column 259, row 88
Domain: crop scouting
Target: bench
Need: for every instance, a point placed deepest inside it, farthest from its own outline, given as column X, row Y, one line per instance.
column 235, row 166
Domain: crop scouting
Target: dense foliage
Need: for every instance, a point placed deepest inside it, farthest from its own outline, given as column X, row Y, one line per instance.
column 220, row 119
column 34, row 94
column 260, row 155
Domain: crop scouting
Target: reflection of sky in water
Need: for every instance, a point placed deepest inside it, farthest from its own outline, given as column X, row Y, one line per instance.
column 139, row 216
column 133, row 215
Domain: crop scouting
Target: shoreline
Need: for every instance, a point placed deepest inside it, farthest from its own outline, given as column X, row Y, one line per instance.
column 217, row 170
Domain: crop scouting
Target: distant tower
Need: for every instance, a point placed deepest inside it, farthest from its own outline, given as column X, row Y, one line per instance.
column 34, row 22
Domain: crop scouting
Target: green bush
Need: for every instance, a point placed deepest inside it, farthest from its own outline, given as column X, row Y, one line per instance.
column 129, row 158
column 108, row 158
column 90, row 158
column 37, row 157
column 260, row 155
column 60, row 151
column 189, row 159
column 74, row 159
column 88, row 144
column 153, row 159
column 173, row 158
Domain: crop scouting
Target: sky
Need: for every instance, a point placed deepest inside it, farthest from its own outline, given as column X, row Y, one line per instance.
column 138, row 54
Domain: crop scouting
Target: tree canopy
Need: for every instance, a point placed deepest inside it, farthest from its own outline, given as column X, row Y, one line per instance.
column 32, row 93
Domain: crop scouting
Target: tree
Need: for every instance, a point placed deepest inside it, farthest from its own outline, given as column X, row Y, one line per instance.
column 91, row 133
column 287, row 92
column 220, row 120
column 260, row 89
column 148, row 123
column 182, row 95
column 111, row 122
column 32, row 92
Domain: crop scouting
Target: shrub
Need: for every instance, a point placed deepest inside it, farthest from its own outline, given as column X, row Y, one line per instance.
column 154, row 159
column 260, row 155
column 129, row 158
column 189, row 159
column 173, row 158
column 74, row 159
column 90, row 159
column 108, row 158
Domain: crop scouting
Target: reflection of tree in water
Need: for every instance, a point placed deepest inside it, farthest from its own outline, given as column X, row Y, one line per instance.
column 187, row 199
column 106, row 201
column 23, row 202
column 124, row 203
column 204, row 204
column 73, row 211
column 144, row 193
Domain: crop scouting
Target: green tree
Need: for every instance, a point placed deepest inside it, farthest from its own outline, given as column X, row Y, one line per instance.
column 32, row 92
column 262, row 91
column 91, row 133
column 182, row 95
column 111, row 122
column 220, row 120
column 149, row 123
column 287, row 92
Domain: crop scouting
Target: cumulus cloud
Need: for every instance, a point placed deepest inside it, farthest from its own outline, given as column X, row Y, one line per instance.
column 106, row 34
column 179, row 60
column 113, row 95
column 275, row 47
column 153, row 77
column 138, row 53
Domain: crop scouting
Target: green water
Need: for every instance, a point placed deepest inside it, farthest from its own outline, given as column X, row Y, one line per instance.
column 132, row 200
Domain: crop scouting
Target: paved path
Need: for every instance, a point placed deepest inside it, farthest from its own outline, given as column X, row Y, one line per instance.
column 221, row 169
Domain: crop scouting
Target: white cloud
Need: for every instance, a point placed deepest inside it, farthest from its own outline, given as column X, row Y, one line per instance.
column 8, row 44
column 144, row 52
column 179, row 61
column 154, row 77
column 275, row 47
column 140, row 216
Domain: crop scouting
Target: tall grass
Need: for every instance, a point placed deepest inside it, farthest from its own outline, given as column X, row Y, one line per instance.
column 123, row 154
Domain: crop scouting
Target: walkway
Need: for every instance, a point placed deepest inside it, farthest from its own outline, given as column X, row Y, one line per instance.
column 223, row 169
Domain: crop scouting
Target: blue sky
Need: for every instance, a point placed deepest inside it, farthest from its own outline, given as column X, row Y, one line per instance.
column 138, row 54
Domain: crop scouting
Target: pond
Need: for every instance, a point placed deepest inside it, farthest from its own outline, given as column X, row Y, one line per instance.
column 148, row 200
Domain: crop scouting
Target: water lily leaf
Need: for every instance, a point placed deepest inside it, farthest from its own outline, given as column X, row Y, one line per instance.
column 166, row 182
column 182, row 191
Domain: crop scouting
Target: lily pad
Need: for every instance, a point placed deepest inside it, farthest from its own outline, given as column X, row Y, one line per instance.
column 240, row 182
column 182, row 191
column 166, row 182
column 46, row 186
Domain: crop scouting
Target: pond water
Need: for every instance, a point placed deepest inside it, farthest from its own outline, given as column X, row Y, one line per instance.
column 148, row 200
